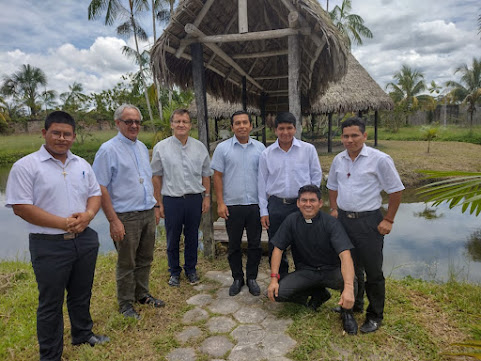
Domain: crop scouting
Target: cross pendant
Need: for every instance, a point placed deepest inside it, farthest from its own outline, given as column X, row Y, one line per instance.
column 64, row 173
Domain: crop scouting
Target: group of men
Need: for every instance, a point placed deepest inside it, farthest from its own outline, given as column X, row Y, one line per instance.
column 276, row 188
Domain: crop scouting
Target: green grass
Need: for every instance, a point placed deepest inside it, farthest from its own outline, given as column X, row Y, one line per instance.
column 450, row 134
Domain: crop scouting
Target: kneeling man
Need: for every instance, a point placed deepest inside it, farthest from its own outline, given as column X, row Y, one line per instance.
column 322, row 258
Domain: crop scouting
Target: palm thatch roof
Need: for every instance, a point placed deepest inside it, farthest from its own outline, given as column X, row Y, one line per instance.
column 357, row 91
column 262, row 58
column 218, row 108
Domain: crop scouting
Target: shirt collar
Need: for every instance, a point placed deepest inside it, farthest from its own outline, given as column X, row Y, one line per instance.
column 235, row 140
column 126, row 140
column 364, row 152
column 45, row 155
column 295, row 143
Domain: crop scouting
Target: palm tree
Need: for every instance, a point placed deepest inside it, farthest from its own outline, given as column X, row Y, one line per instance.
column 74, row 98
column 469, row 90
column 114, row 9
column 407, row 88
column 23, row 86
column 48, row 99
column 351, row 25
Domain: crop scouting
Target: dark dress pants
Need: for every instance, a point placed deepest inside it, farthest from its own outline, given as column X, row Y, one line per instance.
column 61, row 265
column 182, row 213
column 135, row 256
column 368, row 258
column 241, row 217
column 278, row 211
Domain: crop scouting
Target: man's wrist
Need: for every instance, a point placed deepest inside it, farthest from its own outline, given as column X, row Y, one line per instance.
column 276, row 276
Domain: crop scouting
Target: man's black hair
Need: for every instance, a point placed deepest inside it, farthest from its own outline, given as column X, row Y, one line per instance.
column 239, row 112
column 310, row 188
column 59, row 117
column 285, row 117
column 352, row 122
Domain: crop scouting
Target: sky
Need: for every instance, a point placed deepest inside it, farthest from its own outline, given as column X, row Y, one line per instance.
column 432, row 36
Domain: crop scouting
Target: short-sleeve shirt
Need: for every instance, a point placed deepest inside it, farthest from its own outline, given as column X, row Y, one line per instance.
column 58, row 188
column 123, row 167
column 239, row 164
column 181, row 166
column 315, row 244
column 359, row 183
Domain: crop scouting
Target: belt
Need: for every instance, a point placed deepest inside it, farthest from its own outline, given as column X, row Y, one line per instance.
column 186, row 195
column 145, row 210
column 286, row 200
column 53, row 237
column 354, row 215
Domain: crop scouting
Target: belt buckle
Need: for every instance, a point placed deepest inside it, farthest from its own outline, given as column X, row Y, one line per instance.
column 351, row 215
column 67, row 236
column 284, row 201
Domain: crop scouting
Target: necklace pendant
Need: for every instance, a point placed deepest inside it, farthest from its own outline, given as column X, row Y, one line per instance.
column 141, row 180
column 64, row 173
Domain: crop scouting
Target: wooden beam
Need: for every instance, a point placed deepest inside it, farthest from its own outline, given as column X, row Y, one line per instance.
column 273, row 92
column 264, row 54
column 274, row 77
column 191, row 29
column 197, row 21
column 243, row 19
column 294, row 61
column 329, row 133
column 226, row 30
column 231, row 38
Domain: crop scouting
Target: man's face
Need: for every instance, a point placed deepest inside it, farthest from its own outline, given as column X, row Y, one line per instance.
column 241, row 127
column 309, row 204
column 181, row 125
column 59, row 138
column 353, row 139
column 129, row 124
column 285, row 133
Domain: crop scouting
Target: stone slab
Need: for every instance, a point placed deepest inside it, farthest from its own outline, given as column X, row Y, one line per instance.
column 248, row 334
column 200, row 300
column 194, row 316
column 249, row 314
column 182, row 354
column 224, row 277
column 221, row 324
column 224, row 306
column 189, row 334
column 216, row 346
column 247, row 352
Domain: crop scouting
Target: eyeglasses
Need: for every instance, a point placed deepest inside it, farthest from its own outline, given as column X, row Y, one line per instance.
column 129, row 122
column 181, row 122
column 57, row 135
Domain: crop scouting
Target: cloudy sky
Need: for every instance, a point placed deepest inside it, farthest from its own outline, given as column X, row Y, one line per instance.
column 434, row 36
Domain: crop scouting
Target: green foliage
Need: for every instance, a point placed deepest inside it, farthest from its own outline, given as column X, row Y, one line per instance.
column 350, row 25
column 461, row 188
column 429, row 133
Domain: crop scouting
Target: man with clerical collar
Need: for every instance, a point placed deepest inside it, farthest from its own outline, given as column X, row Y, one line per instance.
column 56, row 192
column 123, row 170
column 284, row 167
column 235, row 163
column 322, row 258
column 356, row 179
column 181, row 178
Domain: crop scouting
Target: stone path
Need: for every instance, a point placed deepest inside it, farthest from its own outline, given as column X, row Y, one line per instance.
column 239, row 328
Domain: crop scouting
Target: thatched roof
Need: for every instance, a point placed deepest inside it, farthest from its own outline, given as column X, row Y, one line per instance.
column 357, row 91
column 323, row 51
column 218, row 108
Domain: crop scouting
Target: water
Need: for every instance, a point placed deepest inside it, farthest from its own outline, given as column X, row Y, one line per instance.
column 426, row 242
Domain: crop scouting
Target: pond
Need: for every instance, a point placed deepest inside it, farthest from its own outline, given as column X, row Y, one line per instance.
column 432, row 243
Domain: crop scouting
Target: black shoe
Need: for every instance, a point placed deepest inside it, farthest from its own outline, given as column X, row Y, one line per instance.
column 95, row 340
column 254, row 288
column 130, row 312
column 236, row 287
column 370, row 326
column 152, row 301
column 174, row 281
column 355, row 309
column 193, row 278
column 315, row 302
column 349, row 323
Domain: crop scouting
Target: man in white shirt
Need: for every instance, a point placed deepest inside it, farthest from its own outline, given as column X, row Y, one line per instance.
column 356, row 179
column 284, row 167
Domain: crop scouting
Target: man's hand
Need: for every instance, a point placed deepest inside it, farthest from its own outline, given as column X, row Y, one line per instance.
column 334, row 213
column 222, row 211
column 384, row 227
column 79, row 221
column 157, row 215
column 273, row 289
column 117, row 230
column 206, row 204
column 347, row 298
column 265, row 222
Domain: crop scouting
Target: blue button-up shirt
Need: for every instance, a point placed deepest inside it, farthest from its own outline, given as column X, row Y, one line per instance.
column 123, row 167
column 239, row 165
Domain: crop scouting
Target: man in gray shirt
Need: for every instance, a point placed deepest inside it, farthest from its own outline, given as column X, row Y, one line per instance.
column 181, row 174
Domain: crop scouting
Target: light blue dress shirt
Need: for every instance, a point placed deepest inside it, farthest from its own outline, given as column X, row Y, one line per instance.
column 181, row 166
column 239, row 165
column 359, row 183
column 123, row 167
column 60, row 189
column 281, row 173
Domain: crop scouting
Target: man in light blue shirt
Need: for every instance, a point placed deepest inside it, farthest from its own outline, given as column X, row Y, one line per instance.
column 123, row 170
column 235, row 163
column 284, row 167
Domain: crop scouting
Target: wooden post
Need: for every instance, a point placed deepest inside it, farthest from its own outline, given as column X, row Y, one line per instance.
column 198, row 76
column 263, row 116
column 375, row 127
column 294, row 62
column 329, row 133
column 243, row 20
column 244, row 93
column 216, row 128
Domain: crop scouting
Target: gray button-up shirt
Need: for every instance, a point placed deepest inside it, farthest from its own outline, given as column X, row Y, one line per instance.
column 181, row 166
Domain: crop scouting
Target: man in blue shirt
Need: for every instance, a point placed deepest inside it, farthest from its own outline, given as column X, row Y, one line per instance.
column 123, row 170
column 235, row 163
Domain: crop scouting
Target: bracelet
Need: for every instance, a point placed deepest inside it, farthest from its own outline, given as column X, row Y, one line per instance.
column 206, row 194
column 332, row 209
column 389, row 220
column 276, row 275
